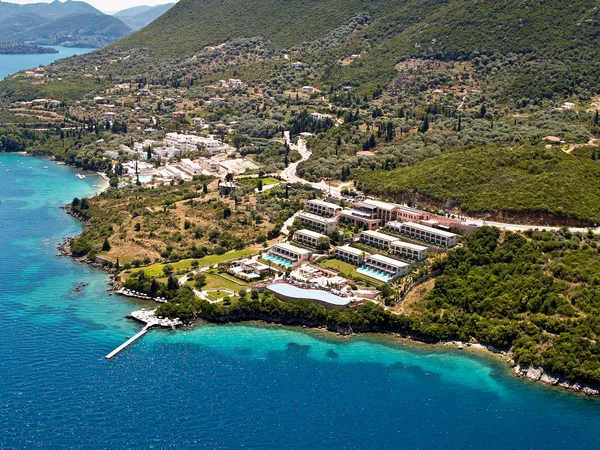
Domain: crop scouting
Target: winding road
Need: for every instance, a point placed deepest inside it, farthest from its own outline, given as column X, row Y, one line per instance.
column 289, row 174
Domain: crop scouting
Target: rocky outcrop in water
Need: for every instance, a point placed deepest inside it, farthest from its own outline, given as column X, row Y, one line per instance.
column 539, row 375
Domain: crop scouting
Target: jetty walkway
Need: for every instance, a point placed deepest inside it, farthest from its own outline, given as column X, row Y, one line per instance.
column 151, row 321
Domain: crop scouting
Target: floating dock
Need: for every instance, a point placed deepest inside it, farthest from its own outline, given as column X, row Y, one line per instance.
column 128, row 342
column 151, row 321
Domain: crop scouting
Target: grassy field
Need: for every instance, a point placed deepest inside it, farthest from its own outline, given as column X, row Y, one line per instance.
column 186, row 264
column 216, row 281
column 345, row 269
column 267, row 181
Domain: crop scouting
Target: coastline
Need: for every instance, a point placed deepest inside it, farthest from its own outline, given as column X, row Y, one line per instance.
column 530, row 373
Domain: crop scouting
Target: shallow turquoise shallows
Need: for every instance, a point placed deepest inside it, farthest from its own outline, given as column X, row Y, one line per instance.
column 10, row 64
column 227, row 386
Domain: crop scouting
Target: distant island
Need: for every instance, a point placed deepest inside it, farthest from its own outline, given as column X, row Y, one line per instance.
column 12, row 48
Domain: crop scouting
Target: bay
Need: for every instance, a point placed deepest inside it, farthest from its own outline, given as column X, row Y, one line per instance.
column 10, row 64
column 227, row 386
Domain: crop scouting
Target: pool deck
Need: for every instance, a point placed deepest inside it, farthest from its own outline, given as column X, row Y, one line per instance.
column 288, row 292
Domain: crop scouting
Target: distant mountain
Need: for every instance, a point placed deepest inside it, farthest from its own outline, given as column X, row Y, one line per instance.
column 70, row 23
column 52, row 10
column 140, row 16
column 132, row 11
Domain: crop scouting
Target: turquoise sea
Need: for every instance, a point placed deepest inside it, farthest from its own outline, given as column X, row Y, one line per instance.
column 227, row 386
column 10, row 64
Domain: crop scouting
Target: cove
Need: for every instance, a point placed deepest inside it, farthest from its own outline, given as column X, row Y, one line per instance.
column 10, row 64
column 227, row 386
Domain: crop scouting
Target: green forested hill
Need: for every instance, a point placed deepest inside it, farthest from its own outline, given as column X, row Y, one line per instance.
column 416, row 27
column 397, row 29
column 193, row 24
column 522, row 180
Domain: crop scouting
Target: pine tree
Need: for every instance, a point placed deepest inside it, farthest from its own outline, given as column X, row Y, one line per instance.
column 106, row 245
column 425, row 125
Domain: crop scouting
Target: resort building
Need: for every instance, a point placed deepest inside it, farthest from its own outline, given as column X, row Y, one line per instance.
column 387, row 212
column 409, row 251
column 210, row 165
column 248, row 269
column 288, row 253
column 350, row 255
column 193, row 142
column 187, row 165
column 322, row 208
column 363, row 215
column 424, row 233
column 311, row 238
column 376, row 239
column 321, row 224
column 382, row 267
column 372, row 214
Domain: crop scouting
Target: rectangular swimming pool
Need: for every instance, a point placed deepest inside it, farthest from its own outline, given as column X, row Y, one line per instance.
column 277, row 260
column 378, row 275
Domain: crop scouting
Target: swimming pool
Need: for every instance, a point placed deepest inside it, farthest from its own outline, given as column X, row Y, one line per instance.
column 285, row 291
column 378, row 275
column 145, row 178
column 277, row 260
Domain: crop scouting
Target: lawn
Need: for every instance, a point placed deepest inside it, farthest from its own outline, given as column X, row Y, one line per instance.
column 215, row 281
column 266, row 181
column 185, row 265
column 346, row 269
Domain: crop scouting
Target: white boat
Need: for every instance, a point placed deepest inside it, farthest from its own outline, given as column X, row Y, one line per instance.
column 81, row 177
column 45, row 167
column 9, row 170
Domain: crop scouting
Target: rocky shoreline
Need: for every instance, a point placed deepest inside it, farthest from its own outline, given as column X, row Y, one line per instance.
column 539, row 375
column 536, row 374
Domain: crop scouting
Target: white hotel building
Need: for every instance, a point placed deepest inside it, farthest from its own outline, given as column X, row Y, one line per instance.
column 191, row 142
column 350, row 255
column 322, row 208
column 403, row 249
column 322, row 224
column 310, row 238
column 391, row 267
column 424, row 233
column 408, row 250
column 376, row 239
column 290, row 252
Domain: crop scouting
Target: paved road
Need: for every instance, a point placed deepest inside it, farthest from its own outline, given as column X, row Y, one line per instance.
column 289, row 174
column 520, row 227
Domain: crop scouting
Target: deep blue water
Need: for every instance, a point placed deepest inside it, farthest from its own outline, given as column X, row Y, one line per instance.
column 227, row 386
column 10, row 64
